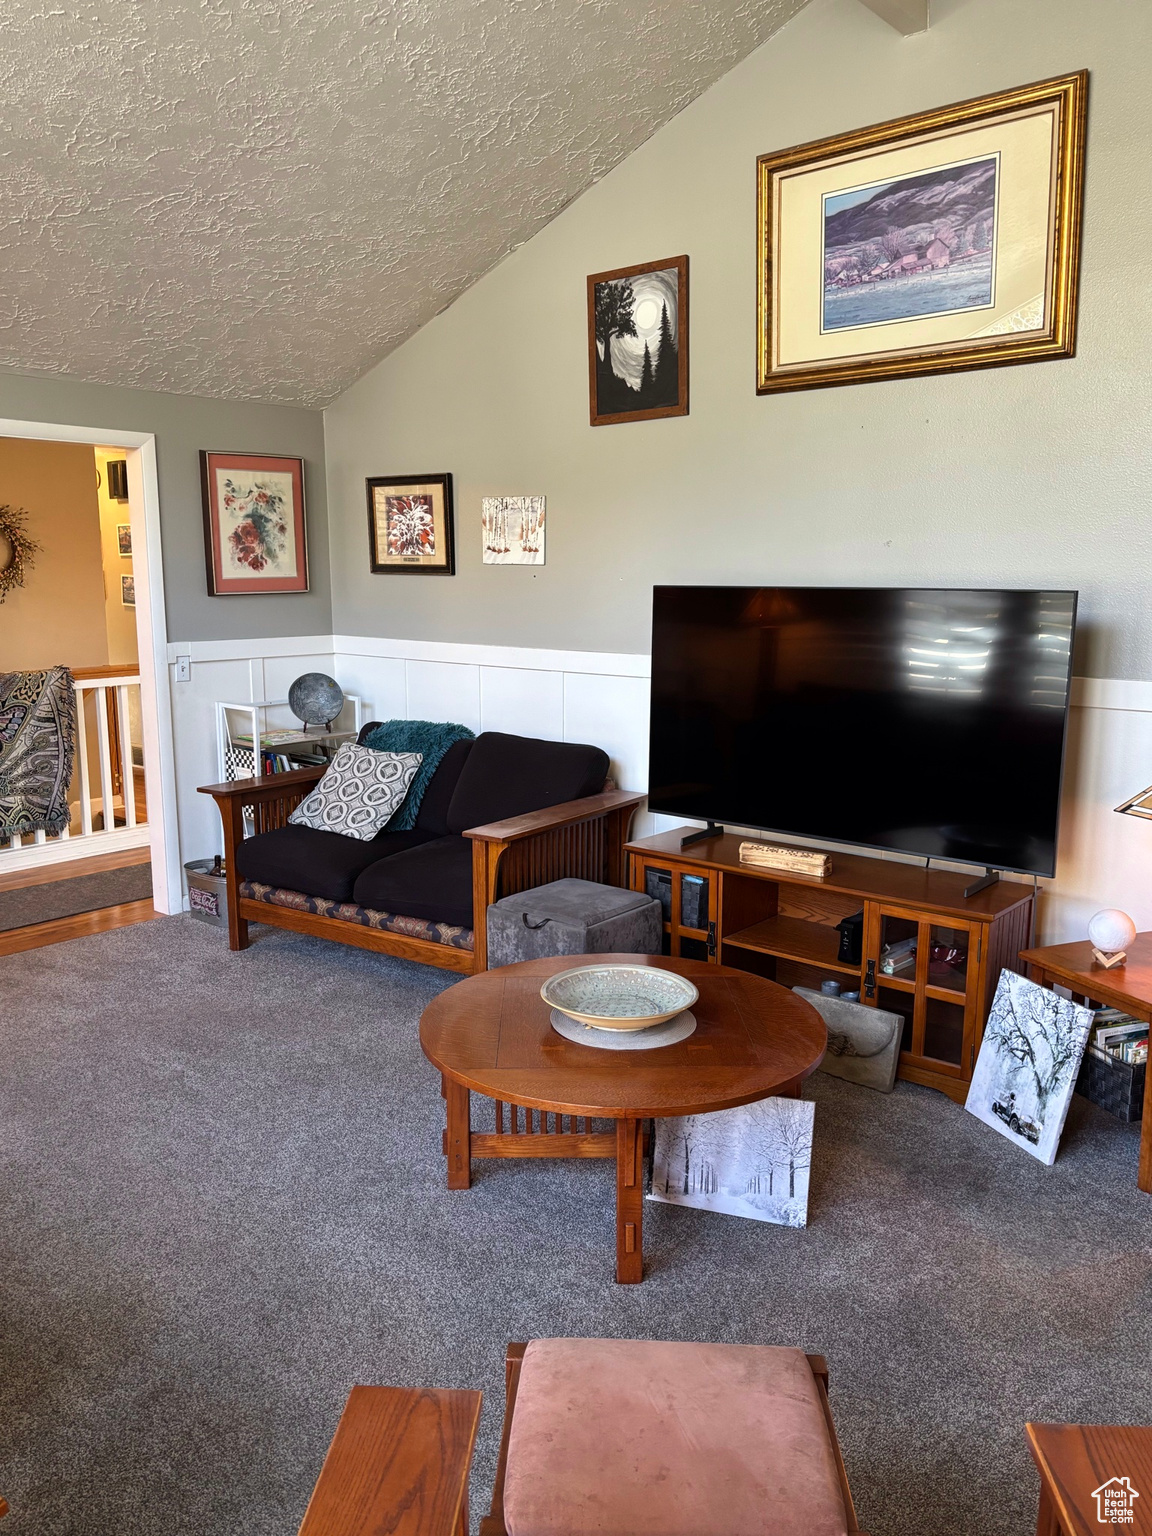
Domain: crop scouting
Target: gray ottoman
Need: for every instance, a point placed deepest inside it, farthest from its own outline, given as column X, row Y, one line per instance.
column 573, row 917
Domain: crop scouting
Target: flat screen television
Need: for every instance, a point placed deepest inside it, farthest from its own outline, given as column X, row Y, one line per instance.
column 928, row 721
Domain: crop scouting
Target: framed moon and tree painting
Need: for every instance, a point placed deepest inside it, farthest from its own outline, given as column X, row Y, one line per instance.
column 254, row 533
column 638, row 342
column 942, row 241
column 410, row 525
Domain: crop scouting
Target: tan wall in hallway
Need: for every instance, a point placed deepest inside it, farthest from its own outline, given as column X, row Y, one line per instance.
column 120, row 621
column 57, row 617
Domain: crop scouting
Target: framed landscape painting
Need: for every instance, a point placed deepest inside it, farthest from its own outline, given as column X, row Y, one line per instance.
column 638, row 342
column 942, row 241
column 410, row 525
column 254, row 533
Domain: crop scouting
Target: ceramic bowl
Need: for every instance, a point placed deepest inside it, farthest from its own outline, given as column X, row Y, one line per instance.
column 619, row 996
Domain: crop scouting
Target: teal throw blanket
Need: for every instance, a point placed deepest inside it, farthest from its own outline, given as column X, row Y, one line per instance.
column 431, row 739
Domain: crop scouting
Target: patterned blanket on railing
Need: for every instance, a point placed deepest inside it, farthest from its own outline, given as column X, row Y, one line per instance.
column 37, row 748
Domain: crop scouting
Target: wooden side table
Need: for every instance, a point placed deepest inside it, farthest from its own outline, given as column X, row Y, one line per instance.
column 1094, row 1478
column 398, row 1462
column 492, row 1035
column 1127, row 987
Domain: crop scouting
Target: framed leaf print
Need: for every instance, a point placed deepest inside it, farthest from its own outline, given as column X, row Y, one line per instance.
column 942, row 241
column 410, row 525
column 254, row 533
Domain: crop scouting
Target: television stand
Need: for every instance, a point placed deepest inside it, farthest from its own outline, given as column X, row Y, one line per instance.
column 989, row 877
column 713, row 829
column 929, row 952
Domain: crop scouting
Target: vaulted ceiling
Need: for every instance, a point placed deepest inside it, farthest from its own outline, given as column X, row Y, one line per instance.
column 259, row 199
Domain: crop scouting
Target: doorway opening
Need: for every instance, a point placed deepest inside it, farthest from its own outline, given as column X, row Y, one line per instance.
column 91, row 602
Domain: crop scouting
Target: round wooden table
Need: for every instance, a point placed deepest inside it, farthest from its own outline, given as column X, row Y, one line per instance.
column 492, row 1035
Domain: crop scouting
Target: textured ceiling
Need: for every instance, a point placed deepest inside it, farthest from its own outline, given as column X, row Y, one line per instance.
column 260, row 198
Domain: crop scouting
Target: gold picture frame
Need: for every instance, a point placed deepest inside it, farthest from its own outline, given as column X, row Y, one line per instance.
column 942, row 241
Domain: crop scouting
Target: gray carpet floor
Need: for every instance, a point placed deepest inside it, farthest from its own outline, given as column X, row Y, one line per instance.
column 222, row 1202
column 64, row 898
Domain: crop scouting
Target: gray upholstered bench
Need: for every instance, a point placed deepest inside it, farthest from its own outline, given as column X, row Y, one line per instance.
column 573, row 917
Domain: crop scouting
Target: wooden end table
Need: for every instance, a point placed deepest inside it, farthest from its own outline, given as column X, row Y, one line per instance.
column 1094, row 1478
column 1127, row 987
column 492, row 1035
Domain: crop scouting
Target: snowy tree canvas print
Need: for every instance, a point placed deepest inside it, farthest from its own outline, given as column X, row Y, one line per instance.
column 410, row 524
column 513, row 530
column 1027, row 1066
column 753, row 1161
column 638, row 342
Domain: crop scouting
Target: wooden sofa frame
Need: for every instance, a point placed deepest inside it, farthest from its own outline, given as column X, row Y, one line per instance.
column 582, row 839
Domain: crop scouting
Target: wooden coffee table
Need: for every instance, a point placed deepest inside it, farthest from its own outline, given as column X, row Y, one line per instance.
column 491, row 1035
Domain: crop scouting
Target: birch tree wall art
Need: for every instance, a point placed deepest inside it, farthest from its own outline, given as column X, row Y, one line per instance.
column 513, row 530
column 1027, row 1066
column 753, row 1161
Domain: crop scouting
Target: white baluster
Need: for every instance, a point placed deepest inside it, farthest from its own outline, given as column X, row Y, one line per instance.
column 105, row 756
column 82, row 752
column 127, row 776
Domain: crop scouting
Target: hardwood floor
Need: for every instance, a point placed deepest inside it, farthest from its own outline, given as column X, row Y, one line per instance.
column 16, row 940
column 71, row 869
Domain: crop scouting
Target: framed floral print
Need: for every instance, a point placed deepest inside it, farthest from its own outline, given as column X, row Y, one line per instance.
column 410, row 525
column 254, row 533
column 942, row 241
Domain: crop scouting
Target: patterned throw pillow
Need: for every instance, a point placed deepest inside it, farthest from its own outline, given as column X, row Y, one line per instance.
column 359, row 792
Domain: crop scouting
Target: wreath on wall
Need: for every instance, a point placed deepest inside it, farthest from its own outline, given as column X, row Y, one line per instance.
column 17, row 550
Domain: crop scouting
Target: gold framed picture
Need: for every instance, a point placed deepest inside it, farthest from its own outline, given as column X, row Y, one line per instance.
column 942, row 241
column 410, row 525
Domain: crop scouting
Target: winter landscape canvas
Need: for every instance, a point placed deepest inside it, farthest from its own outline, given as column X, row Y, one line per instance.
column 638, row 342
column 917, row 246
column 1027, row 1066
column 513, row 530
column 753, row 1161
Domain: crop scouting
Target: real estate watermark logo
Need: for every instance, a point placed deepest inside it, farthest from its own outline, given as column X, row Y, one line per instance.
column 1114, row 1501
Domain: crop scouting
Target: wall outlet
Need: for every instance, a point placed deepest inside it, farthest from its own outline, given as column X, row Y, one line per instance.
column 183, row 669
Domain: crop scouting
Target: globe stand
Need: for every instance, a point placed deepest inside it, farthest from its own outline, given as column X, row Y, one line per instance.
column 1109, row 960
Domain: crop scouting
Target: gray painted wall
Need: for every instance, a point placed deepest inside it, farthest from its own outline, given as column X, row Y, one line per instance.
column 184, row 424
column 1034, row 475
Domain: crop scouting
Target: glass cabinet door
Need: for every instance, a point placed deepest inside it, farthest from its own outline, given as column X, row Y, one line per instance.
column 688, row 902
column 927, row 972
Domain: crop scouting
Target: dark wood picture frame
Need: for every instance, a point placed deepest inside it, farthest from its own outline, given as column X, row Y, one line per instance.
column 603, row 412
column 220, row 583
column 382, row 564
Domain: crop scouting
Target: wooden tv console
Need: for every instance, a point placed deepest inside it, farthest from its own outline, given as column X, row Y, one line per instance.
column 783, row 926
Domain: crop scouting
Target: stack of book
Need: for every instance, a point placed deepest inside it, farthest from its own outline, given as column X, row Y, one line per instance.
column 1115, row 1036
column 897, row 959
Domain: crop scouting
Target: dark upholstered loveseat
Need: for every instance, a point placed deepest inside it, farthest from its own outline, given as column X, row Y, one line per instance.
column 501, row 814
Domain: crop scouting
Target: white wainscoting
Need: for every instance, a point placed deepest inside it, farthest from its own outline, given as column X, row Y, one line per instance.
column 1105, row 859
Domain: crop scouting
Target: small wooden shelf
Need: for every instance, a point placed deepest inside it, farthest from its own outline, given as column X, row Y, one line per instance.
column 899, row 983
column 790, row 938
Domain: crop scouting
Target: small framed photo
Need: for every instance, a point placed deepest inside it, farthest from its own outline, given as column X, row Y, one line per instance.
column 128, row 591
column 638, row 342
column 410, row 525
column 124, row 539
column 937, row 242
column 254, row 532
